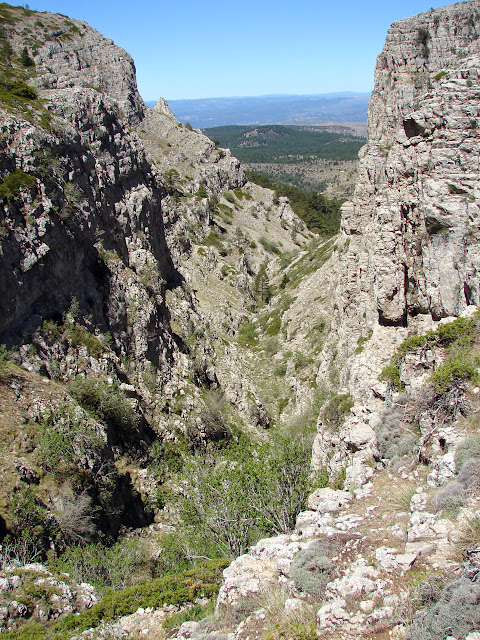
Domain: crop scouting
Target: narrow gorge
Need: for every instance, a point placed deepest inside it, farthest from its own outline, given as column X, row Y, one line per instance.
column 216, row 423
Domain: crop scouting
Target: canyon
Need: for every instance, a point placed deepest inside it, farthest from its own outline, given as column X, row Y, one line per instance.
column 159, row 310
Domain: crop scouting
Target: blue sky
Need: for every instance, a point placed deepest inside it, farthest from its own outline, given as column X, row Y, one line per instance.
column 217, row 48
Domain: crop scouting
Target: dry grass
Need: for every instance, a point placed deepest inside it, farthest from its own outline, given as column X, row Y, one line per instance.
column 469, row 537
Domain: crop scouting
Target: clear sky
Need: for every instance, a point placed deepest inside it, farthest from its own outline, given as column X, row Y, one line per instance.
column 218, row 48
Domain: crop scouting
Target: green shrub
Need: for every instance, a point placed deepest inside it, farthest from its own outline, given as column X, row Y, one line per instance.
column 237, row 498
column 212, row 240
column 11, row 184
column 107, row 402
column 25, row 59
column 195, row 613
column 300, row 361
column 118, row 566
column 201, row 193
column 79, row 336
column 63, row 437
column 362, row 340
column 440, row 75
column 459, row 334
column 202, row 581
column 271, row 247
column 16, row 89
column 337, row 409
column 280, row 371
column 274, row 327
column 459, row 368
column 31, row 630
column 247, row 335
column 29, row 517
column 423, row 36
column 6, row 365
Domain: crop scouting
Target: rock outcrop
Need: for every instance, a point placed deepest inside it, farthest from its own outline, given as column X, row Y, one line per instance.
column 415, row 208
column 407, row 249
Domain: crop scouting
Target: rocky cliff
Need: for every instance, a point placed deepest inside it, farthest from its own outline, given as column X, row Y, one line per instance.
column 129, row 250
column 409, row 236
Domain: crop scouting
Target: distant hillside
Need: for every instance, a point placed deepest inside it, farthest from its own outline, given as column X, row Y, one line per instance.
column 285, row 144
column 279, row 109
column 314, row 158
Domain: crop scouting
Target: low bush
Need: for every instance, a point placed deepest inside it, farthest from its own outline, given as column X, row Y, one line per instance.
column 18, row 551
column 469, row 448
column 64, row 436
column 458, row 336
column 6, row 365
column 244, row 493
column 469, row 475
column 454, row 495
column 337, row 409
column 247, row 335
column 201, row 582
column 79, row 336
column 271, row 247
column 107, row 402
column 450, row 497
column 118, row 566
column 395, row 438
column 460, row 367
column 312, row 567
column 455, row 614
column 12, row 184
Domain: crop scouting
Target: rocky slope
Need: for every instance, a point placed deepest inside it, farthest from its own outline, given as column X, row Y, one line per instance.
column 135, row 254
column 129, row 251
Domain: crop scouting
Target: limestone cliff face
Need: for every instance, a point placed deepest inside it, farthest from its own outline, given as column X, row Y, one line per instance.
column 416, row 202
column 408, row 252
column 114, row 203
column 90, row 227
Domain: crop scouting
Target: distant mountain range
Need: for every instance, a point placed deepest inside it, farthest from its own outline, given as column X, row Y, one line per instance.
column 272, row 109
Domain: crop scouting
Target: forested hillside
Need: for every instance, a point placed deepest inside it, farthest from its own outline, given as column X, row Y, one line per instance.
column 316, row 158
column 286, row 144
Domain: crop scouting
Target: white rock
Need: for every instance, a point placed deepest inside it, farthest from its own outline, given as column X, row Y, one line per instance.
column 357, row 475
column 292, row 605
column 328, row 500
column 367, row 606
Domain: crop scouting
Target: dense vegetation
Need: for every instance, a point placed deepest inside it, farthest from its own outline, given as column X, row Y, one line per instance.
column 285, row 144
column 320, row 214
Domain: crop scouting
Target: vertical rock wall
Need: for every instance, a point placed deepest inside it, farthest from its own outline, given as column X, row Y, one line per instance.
column 408, row 252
